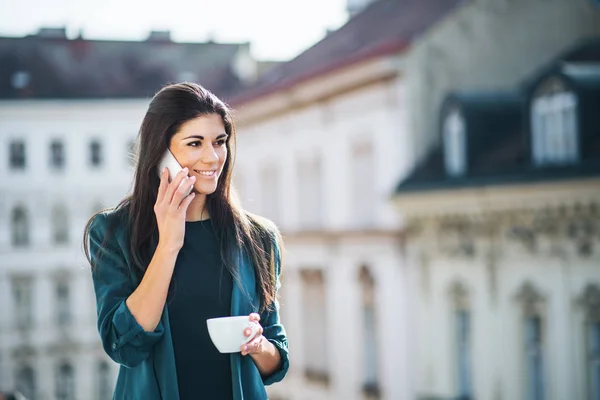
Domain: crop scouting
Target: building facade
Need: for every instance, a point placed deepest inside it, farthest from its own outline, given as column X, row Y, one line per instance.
column 503, row 239
column 68, row 126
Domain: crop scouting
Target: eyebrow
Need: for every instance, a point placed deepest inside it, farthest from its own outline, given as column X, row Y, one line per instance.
column 223, row 135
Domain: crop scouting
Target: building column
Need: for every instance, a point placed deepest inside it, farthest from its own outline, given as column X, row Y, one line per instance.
column 395, row 326
column 345, row 333
column 45, row 377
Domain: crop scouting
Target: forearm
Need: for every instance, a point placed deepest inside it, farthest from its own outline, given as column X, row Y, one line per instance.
column 147, row 302
column 268, row 360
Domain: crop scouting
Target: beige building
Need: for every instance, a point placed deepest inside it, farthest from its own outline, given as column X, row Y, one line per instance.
column 323, row 140
column 503, row 239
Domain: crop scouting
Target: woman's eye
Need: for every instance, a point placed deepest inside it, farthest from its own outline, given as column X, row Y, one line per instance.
column 220, row 142
column 195, row 144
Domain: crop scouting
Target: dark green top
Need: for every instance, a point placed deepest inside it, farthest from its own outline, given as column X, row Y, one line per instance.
column 147, row 359
column 201, row 289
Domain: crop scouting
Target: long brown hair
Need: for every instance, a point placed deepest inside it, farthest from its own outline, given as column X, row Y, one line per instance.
column 235, row 228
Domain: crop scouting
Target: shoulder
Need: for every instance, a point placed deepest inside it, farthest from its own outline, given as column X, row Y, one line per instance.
column 110, row 223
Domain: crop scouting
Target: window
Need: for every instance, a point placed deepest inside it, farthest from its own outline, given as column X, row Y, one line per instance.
column 590, row 303
column 57, row 154
column 271, row 206
column 533, row 305
column 22, row 292
column 96, row 153
column 60, row 224
column 104, row 389
column 459, row 297
column 17, row 154
column 594, row 360
column 65, row 382
column 362, row 180
column 20, row 227
column 369, row 326
column 554, row 129
column 534, row 360
column 463, row 348
column 455, row 145
column 314, row 314
column 63, row 304
column 25, row 382
column 310, row 192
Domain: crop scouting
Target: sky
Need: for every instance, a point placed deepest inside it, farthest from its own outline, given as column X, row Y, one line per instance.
column 277, row 29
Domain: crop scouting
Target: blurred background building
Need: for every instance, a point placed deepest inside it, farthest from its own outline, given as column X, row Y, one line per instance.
column 433, row 165
column 69, row 114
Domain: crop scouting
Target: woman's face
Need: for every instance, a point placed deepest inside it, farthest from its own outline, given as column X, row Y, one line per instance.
column 200, row 146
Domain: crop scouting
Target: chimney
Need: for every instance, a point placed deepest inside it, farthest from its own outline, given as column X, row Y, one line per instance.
column 52, row 33
column 159, row 36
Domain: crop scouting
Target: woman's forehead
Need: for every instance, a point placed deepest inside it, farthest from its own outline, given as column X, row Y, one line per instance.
column 205, row 125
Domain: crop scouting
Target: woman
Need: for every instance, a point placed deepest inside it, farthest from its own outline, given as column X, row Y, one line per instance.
column 163, row 263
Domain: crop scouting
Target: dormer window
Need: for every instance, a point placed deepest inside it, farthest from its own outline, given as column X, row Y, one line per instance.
column 554, row 126
column 454, row 136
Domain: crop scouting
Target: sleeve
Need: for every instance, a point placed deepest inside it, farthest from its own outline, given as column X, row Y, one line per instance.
column 123, row 339
column 274, row 331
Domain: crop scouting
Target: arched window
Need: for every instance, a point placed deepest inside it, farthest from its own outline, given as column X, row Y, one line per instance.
column 63, row 303
column 65, row 382
column 20, row 226
column 554, row 125
column 455, row 144
column 363, row 185
column 60, row 224
column 96, row 154
column 270, row 184
column 590, row 301
column 310, row 192
column 369, row 326
column 533, row 303
column 459, row 297
column 25, row 382
column 314, row 314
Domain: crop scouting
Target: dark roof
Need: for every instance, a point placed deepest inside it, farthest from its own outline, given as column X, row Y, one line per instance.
column 51, row 66
column 498, row 130
column 383, row 27
column 586, row 51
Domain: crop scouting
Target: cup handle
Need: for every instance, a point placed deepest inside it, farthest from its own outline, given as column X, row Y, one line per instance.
column 254, row 327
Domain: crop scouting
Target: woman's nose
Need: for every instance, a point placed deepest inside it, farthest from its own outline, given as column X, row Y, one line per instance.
column 209, row 156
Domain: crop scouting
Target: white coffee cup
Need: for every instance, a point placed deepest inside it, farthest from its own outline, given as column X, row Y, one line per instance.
column 227, row 333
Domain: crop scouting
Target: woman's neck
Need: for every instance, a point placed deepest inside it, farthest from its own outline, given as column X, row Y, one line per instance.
column 196, row 210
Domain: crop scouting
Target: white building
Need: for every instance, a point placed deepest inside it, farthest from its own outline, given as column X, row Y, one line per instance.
column 322, row 139
column 503, row 239
column 66, row 147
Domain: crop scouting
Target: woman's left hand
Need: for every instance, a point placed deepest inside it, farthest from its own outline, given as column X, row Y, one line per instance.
column 254, row 345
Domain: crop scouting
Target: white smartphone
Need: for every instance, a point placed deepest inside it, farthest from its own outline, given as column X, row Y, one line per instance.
column 168, row 160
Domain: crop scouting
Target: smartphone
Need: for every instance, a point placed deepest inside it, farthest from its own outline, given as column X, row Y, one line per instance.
column 168, row 160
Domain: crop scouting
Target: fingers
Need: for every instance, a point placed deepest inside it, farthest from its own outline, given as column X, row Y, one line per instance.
column 186, row 202
column 164, row 182
column 174, row 185
column 255, row 317
column 253, row 346
column 181, row 192
column 259, row 331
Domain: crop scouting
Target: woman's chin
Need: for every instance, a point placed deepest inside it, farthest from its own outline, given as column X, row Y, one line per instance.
column 204, row 189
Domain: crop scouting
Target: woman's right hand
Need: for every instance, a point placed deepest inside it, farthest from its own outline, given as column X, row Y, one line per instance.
column 170, row 208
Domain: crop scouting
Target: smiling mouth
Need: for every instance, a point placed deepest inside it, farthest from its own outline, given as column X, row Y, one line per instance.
column 209, row 173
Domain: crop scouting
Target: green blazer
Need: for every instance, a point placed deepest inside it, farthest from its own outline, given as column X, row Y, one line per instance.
column 147, row 359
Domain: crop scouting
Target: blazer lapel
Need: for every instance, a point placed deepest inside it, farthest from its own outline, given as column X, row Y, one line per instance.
column 243, row 302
